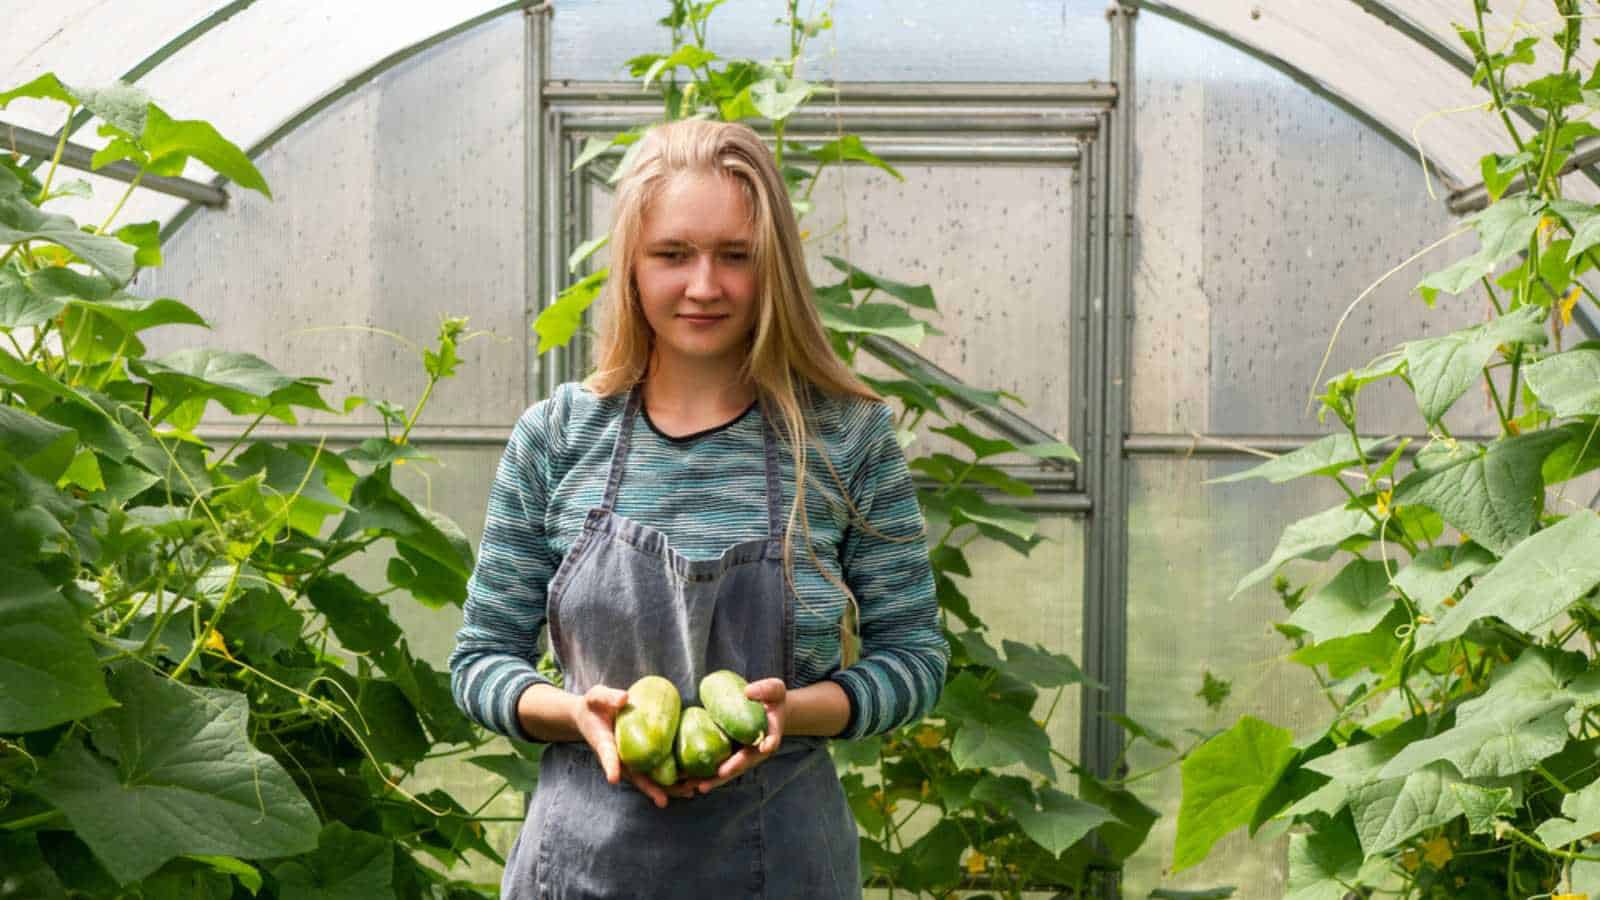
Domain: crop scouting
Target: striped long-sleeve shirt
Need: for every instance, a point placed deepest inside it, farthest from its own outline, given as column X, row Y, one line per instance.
column 706, row 492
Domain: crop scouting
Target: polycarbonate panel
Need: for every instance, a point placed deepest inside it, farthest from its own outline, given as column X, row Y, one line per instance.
column 871, row 40
column 995, row 245
column 1188, row 545
column 401, row 204
column 1261, row 213
column 86, row 43
column 1357, row 58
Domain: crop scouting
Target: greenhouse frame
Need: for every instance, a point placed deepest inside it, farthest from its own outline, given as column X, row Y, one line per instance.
column 1161, row 229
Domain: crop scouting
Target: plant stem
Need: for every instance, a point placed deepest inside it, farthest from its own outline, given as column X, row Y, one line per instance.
column 124, row 199
column 237, row 441
column 55, row 160
column 412, row 421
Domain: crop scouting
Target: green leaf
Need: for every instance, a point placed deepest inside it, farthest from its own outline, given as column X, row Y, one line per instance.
column 1494, row 494
column 1311, row 537
column 1535, row 582
column 360, row 620
column 1484, row 806
column 777, row 98
column 1324, row 864
column 559, row 321
column 48, row 671
column 1499, row 171
column 849, row 147
column 1517, row 723
column 1345, row 656
column 991, row 734
column 1051, row 450
column 1142, row 731
column 518, row 771
column 1055, row 821
column 1443, row 368
column 1326, row 456
column 378, row 507
column 934, row 860
column 1214, row 691
column 21, row 221
column 45, row 87
column 1504, row 230
column 1216, row 893
column 27, row 874
column 23, row 306
column 1354, row 602
column 135, row 314
column 981, row 447
column 1039, row 666
column 262, row 623
column 428, row 692
column 1388, row 812
column 586, row 250
column 969, row 507
column 146, row 239
column 166, row 137
column 185, row 773
column 188, row 370
column 383, row 718
column 41, row 446
column 1435, row 574
column 1122, row 837
column 685, row 56
column 1223, row 781
column 347, row 865
column 917, row 295
column 1568, row 383
column 881, row 319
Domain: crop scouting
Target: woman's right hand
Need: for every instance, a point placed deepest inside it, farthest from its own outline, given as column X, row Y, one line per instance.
column 595, row 716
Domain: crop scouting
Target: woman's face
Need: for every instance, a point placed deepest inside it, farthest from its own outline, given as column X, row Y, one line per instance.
column 695, row 271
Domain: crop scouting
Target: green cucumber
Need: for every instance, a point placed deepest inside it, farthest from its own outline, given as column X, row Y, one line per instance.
column 722, row 694
column 645, row 727
column 666, row 774
column 701, row 744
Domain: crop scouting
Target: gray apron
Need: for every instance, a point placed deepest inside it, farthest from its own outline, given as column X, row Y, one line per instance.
column 623, row 604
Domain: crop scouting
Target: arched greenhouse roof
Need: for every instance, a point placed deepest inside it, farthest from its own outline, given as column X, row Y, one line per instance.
column 256, row 68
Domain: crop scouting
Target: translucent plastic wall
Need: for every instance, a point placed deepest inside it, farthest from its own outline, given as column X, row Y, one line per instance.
column 1261, row 211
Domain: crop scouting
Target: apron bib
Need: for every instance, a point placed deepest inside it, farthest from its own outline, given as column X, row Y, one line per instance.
column 623, row 604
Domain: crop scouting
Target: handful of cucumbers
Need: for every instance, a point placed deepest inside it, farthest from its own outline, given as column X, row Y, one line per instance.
column 656, row 735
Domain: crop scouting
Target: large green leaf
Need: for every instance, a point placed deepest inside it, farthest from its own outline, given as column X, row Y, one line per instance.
column 45, row 87
column 167, row 139
column 1312, row 537
column 562, row 318
column 1039, row 666
column 1581, row 810
column 185, row 781
column 24, row 872
column 22, row 305
column 1494, row 494
column 1224, row 780
column 378, row 507
column 1054, row 820
column 1568, row 383
column 1354, row 602
column 990, row 734
column 1435, row 574
column 1443, row 368
column 1517, row 723
column 48, row 671
column 1324, row 864
column 1325, row 456
column 1504, row 230
column 347, row 865
column 22, row 221
column 918, row 295
column 135, row 314
column 883, row 319
column 518, row 771
column 1535, row 582
column 1390, row 811
column 361, row 620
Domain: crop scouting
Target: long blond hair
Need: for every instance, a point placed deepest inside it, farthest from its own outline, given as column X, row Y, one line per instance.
column 790, row 356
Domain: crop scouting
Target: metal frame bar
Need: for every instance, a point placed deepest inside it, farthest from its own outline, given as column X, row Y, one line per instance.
column 1299, row 76
column 602, row 109
column 145, row 66
column 1092, row 93
column 349, row 87
column 37, row 143
column 1252, row 445
column 535, row 74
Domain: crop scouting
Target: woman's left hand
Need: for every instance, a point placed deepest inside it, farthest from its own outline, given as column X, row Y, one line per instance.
column 769, row 692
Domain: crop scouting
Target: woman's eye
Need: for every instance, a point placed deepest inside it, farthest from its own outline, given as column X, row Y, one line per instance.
column 671, row 255
column 736, row 256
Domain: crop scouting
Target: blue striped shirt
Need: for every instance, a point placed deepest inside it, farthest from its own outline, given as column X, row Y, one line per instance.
column 707, row 492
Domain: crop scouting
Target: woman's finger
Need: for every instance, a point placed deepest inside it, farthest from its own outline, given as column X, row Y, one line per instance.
column 649, row 788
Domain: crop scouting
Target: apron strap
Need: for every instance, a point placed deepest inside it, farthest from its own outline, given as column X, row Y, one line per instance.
column 774, row 483
column 619, row 451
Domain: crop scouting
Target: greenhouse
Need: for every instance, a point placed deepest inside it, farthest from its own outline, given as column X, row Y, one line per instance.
column 1241, row 363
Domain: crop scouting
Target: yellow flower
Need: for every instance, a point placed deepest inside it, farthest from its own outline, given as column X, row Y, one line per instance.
column 1437, row 852
column 928, row 738
column 1410, row 860
column 977, row 863
column 1567, row 303
column 1383, row 502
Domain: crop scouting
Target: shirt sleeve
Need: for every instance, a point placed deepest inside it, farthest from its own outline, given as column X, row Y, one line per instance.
column 497, row 647
column 886, row 565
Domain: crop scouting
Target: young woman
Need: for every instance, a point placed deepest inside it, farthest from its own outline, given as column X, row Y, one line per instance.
column 714, row 496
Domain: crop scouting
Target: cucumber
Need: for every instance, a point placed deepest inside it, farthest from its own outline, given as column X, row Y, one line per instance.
column 701, row 744
column 645, row 727
column 722, row 694
column 666, row 774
